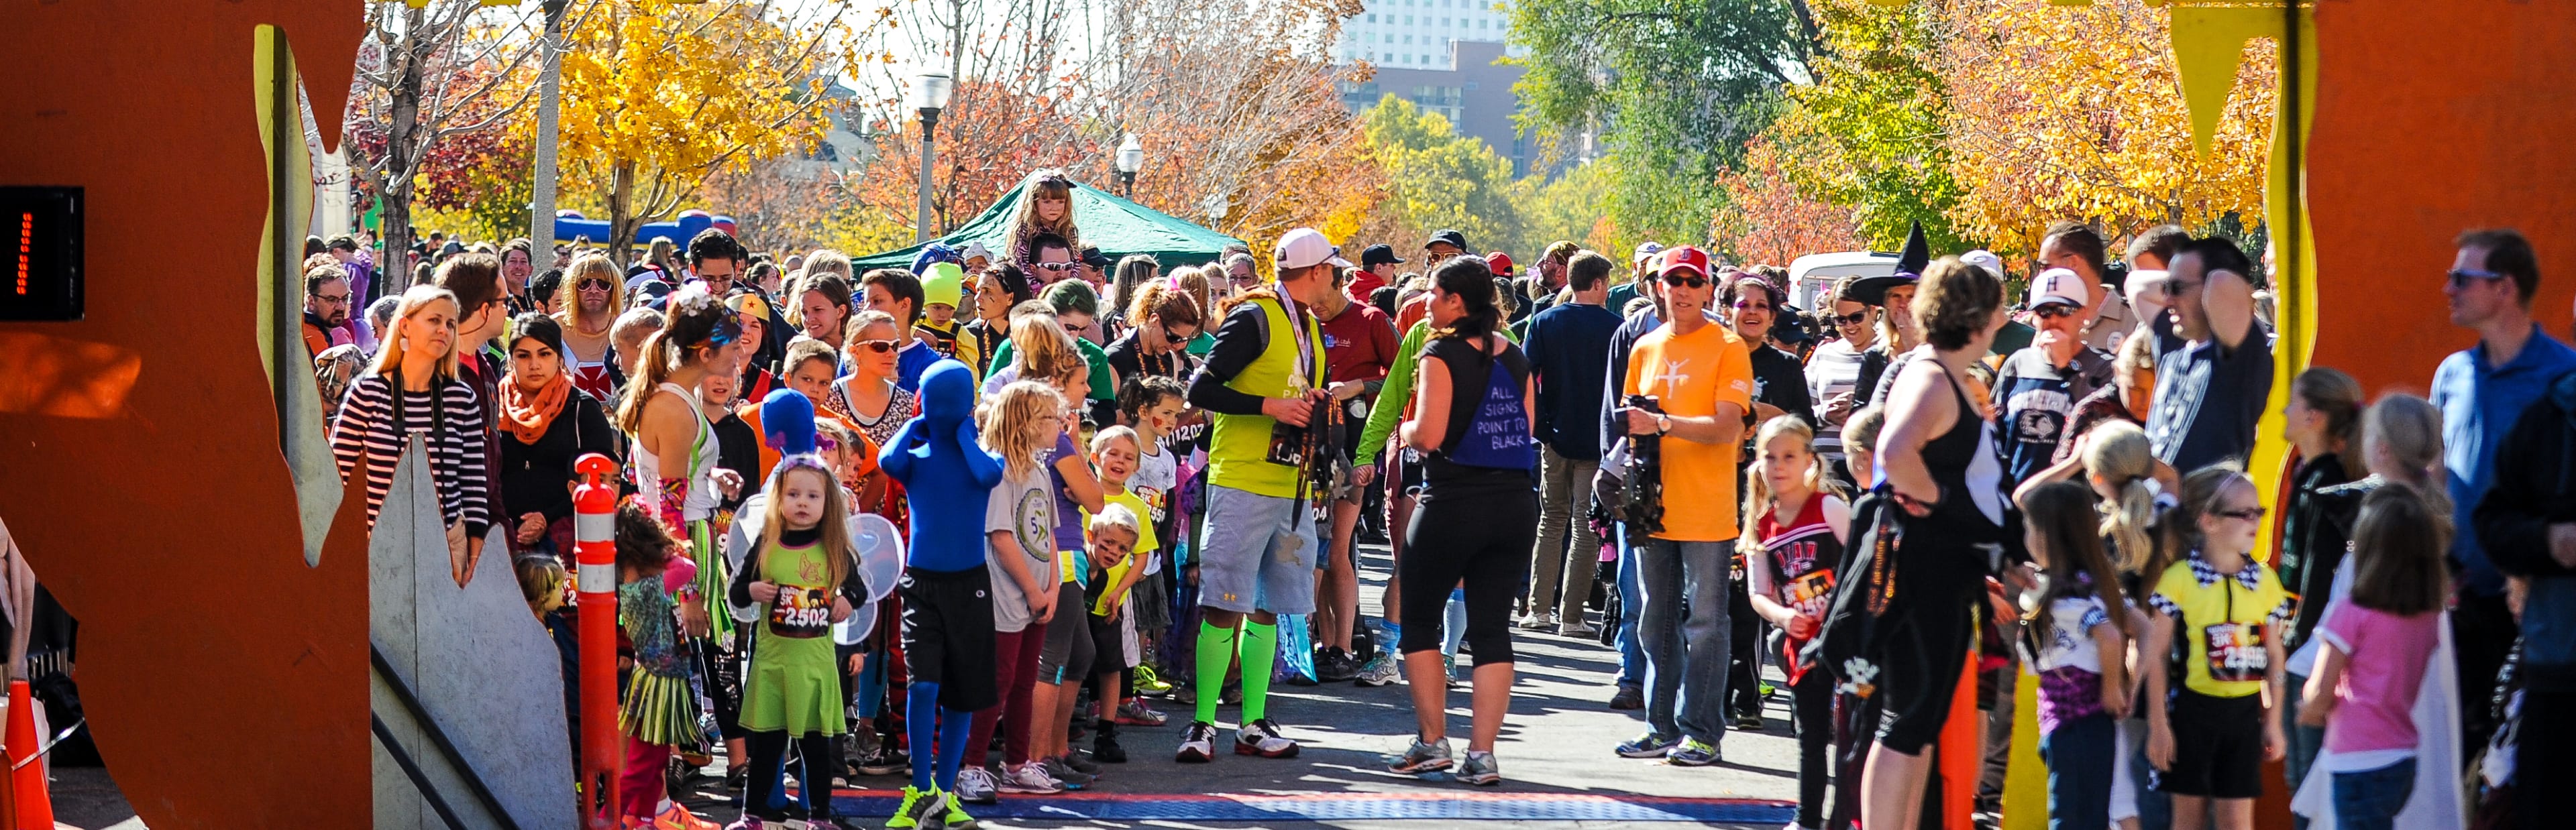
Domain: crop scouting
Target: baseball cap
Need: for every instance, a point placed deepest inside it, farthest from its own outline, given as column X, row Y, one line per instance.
column 1681, row 257
column 1645, row 251
column 2059, row 285
column 1500, row 263
column 1448, row 236
column 933, row 252
column 1093, row 257
column 1379, row 255
column 944, row 283
column 974, row 250
column 1306, row 247
column 1986, row 259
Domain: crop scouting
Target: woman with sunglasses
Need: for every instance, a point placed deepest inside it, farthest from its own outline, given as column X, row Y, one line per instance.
column 593, row 294
column 868, row 397
column 996, row 289
column 1164, row 318
column 1833, row 372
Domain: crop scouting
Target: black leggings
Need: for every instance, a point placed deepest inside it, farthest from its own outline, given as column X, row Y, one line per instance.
column 769, row 755
column 1483, row 539
column 1812, row 708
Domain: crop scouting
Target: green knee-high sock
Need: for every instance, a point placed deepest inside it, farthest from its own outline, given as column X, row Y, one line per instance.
column 1216, row 652
column 1260, row 650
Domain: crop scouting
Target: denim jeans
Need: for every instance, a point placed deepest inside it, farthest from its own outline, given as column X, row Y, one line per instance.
column 2078, row 754
column 2304, row 742
column 1686, row 656
column 1632, row 655
column 1564, row 499
column 2370, row 799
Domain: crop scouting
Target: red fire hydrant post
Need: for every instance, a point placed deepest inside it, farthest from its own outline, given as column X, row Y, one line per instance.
column 594, row 508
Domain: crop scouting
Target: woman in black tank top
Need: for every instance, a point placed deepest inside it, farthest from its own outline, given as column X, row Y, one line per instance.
column 1944, row 488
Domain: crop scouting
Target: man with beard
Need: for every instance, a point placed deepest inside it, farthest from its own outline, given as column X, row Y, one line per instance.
column 326, row 306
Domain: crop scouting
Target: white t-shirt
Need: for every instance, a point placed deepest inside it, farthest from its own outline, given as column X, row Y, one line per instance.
column 2070, row 645
column 1157, row 474
column 1024, row 508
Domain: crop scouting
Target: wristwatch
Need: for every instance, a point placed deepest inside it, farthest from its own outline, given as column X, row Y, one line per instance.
column 1663, row 423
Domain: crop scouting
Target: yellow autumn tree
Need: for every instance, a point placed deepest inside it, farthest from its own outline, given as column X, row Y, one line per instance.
column 2073, row 112
column 657, row 96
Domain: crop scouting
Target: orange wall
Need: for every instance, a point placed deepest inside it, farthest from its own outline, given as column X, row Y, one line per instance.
column 2433, row 118
column 226, row 682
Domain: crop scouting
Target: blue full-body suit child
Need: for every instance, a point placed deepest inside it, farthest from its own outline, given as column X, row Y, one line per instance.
column 946, row 476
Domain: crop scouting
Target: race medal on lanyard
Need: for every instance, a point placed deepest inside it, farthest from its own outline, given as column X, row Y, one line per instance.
column 800, row 613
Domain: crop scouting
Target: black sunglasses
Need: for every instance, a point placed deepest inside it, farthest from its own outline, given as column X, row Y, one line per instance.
column 2053, row 311
column 1174, row 339
column 2460, row 277
column 1690, row 281
column 591, row 284
column 1852, row 319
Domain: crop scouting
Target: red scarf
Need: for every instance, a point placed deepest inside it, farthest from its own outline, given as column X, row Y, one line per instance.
column 527, row 414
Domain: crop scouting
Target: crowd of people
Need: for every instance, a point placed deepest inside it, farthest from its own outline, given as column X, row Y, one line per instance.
column 1122, row 482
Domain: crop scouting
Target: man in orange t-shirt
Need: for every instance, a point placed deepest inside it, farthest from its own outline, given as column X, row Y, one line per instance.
column 1701, row 375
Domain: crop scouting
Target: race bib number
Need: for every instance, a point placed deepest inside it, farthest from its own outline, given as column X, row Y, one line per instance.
column 1809, row 594
column 800, row 613
column 2236, row 651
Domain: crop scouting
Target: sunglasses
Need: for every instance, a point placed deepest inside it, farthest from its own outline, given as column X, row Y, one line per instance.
column 593, row 284
column 877, row 346
column 2460, row 277
column 1852, row 319
column 1174, row 339
column 1688, row 282
column 2250, row 514
column 1055, row 266
column 2053, row 311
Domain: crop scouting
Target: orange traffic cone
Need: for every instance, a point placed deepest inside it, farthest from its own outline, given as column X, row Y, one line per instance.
column 31, row 806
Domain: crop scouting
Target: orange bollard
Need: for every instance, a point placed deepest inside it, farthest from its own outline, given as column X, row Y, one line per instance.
column 30, row 805
column 594, row 510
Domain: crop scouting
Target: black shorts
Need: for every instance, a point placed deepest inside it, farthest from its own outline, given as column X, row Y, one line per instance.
column 1922, row 653
column 2218, row 747
column 948, row 635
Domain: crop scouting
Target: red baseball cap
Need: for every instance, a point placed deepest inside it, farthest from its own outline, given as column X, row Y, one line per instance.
column 1681, row 257
column 1500, row 263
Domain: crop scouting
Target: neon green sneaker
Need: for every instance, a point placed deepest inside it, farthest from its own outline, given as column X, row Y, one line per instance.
column 907, row 814
column 952, row 813
column 1150, row 682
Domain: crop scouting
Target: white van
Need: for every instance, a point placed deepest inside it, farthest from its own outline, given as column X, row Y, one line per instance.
column 1812, row 275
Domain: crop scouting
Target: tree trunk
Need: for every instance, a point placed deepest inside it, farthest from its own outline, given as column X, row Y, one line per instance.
column 393, row 266
column 621, row 210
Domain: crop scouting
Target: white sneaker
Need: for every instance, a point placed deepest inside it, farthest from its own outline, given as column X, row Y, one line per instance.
column 1025, row 779
column 1539, row 621
column 975, row 785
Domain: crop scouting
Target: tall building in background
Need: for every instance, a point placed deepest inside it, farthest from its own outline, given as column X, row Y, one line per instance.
column 1444, row 56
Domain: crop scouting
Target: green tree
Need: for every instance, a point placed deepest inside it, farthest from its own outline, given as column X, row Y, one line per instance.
column 1567, row 207
column 1870, row 131
column 1437, row 178
column 1670, row 90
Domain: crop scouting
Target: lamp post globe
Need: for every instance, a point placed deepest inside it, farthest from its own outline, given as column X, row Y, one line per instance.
column 929, row 94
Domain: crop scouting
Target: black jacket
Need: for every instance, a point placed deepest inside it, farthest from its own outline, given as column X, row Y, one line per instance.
column 2535, row 487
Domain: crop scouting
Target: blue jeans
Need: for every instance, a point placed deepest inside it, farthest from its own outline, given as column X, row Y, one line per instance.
column 2370, row 799
column 2304, row 742
column 1686, row 655
column 2078, row 753
column 1632, row 656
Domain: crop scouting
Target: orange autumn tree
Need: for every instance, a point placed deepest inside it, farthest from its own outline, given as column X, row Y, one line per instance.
column 2073, row 112
column 1769, row 219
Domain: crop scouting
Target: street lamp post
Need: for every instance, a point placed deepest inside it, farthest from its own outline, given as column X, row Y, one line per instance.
column 1131, row 158
column 930, row 93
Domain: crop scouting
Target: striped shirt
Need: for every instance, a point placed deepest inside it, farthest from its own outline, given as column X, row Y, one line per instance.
column 1832, row 370
column 365, row 434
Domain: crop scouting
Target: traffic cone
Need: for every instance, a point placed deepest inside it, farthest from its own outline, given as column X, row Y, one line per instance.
column 31, row 805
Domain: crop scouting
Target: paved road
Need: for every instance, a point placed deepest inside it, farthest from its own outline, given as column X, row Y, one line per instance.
column 1556, row 741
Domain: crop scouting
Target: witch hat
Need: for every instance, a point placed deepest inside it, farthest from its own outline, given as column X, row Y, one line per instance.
column 1909, row 269
column 1917, row 254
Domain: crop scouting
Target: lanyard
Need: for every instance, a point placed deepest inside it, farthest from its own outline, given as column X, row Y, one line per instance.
column 1297, row 329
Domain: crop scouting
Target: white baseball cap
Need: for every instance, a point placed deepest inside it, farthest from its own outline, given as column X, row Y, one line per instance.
column 2059, row 285
column 1985, row 259
column 973, row 250
column 1306, row 247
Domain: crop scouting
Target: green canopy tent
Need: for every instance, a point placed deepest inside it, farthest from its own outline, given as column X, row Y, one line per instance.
column 1116, row 226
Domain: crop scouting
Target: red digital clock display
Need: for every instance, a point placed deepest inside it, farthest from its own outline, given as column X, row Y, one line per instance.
column 45, row 279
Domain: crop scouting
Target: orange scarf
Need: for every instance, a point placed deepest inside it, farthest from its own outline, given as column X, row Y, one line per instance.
column 527, row 416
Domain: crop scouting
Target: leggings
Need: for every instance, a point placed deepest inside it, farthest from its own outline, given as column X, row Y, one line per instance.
column 1482, row 539
column 1015, row 672
column 721, row 668
column 1812, row 710
column 640, row 783
column 769, row 759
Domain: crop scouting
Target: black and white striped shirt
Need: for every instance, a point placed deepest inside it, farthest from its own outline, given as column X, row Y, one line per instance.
column 365, row 433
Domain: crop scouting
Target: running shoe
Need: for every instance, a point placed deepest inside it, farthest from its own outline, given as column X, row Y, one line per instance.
column 1135, row 713
column 1481, row 769
column 1198, row 743
column 884, row 760
column 951, row 814
column 1231, row 695
column 1539, row 621
column 1692, row 752
column 1262, row 738
column 747, row 822
column 1749, row 720
column 1150, row 683
column 1381, row 670
column 1029, row 779
column 1072, row 779
column 1080, row 762
column 1577, row 629
column 1449, row 669
column 679, row 818
column 1104, row 745
column 1333, row 665
column 1648, row 746
column 1422, row 758
column 1628, row 698
column 908, row 813
column 975, row 785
